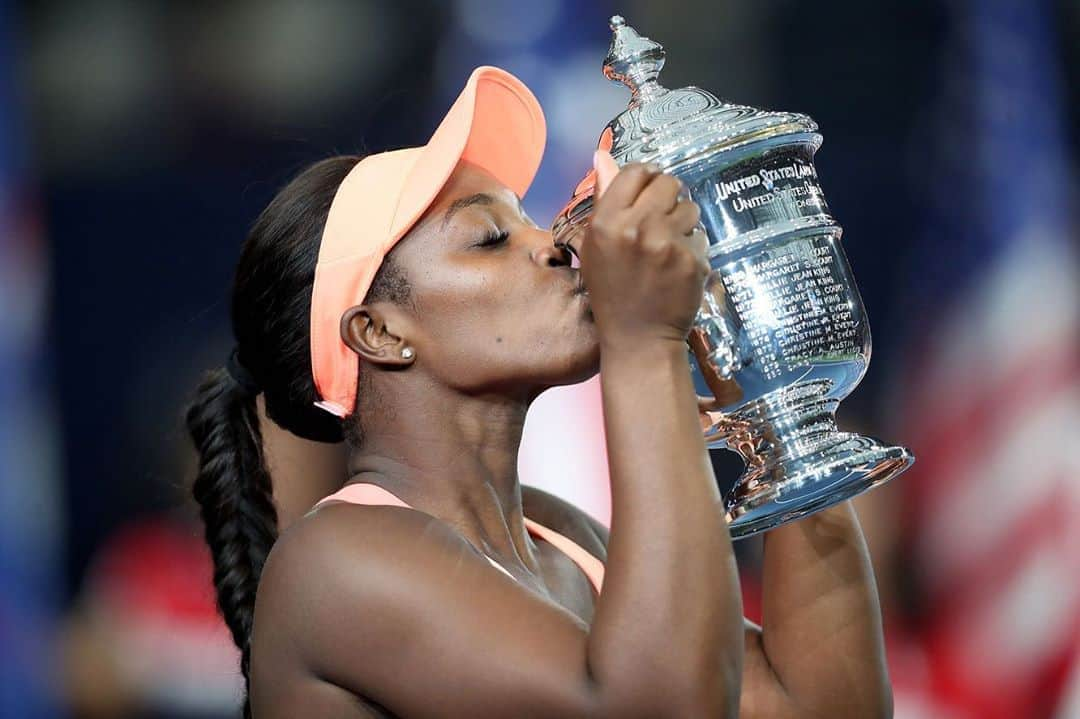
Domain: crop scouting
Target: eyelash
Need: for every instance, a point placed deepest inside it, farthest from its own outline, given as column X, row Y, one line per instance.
column 494, row 238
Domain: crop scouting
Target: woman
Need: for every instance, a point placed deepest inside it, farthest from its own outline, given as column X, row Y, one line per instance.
column 407, row 303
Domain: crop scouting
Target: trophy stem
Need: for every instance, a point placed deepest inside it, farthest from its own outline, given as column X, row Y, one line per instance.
column 797, row 461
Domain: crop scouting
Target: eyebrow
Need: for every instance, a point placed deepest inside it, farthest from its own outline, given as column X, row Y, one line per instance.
column 480, row 198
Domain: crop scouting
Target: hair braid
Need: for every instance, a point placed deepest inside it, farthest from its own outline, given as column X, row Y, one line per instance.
column 234, row 492
column 271, row 308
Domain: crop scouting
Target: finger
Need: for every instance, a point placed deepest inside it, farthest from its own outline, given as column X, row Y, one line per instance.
column 623, row 190
column 685, row 217
column 606, row 169
column 661, row 195
column 698, row 240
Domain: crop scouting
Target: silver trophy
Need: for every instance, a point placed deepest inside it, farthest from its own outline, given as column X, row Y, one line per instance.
column 781, row 336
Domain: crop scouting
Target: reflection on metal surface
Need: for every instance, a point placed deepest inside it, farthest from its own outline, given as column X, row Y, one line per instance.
column 782, row 335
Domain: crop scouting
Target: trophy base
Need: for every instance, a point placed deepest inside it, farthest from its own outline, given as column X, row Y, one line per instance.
column 797, row 462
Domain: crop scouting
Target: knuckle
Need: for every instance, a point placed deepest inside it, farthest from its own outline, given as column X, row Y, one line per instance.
column 601, row 225
column 663, row 250
column 629, row 234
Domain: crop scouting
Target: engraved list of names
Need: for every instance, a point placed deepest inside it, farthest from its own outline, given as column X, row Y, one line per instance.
column 794, row 306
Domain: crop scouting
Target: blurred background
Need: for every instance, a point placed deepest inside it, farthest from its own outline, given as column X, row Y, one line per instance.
column 139, row 140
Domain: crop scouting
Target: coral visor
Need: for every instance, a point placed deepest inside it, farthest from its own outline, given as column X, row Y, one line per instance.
column 495, row 123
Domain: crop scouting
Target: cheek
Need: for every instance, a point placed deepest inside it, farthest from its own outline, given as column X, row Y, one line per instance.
column 543, row 342
column 481, row 328
column 490, row 337
column 477, row 308
column 470, row 325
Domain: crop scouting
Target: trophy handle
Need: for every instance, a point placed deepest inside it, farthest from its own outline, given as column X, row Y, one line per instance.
column 713, row 341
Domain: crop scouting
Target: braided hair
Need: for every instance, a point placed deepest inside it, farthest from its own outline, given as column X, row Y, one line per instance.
column 271, row 306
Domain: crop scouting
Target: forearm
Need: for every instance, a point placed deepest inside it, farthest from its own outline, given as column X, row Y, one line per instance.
column 821, row 620
column 671, row 604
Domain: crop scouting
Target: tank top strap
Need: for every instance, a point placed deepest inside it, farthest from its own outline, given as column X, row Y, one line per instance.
column 367, row 493
column 593, row 567
column 362, row 493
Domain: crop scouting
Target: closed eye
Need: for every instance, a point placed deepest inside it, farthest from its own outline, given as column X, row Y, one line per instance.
column 494, row 238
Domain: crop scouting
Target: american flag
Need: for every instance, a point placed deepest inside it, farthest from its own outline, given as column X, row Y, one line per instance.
column 991, row 388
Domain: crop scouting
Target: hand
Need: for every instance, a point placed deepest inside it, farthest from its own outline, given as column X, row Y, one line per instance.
column 643, row 256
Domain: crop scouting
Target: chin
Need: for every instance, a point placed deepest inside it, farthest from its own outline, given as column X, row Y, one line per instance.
column 566, row 381
column 579, row 366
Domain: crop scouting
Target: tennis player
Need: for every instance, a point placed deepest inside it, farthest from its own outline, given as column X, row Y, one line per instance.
column 405, row 302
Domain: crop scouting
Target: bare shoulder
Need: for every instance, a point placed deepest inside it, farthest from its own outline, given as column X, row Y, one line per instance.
column 359, row 596
column 324, row 540
column 347, row 552
column 567, row 519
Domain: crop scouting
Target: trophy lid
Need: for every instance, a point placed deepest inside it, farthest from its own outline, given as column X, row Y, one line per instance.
column 673, row 127
column 679, row 129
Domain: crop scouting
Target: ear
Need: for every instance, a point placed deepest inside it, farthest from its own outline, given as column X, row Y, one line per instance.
column 369, row 331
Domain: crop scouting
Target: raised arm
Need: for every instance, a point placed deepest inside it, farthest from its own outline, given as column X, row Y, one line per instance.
column 856, row 685
column 393, row 605
column 669, row 559
column 820, row 650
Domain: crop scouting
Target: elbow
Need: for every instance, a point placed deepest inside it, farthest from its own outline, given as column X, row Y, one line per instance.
column 681, row 698
column 707, row 685
column 716, row 694
column 722, row 705
column 871, row 701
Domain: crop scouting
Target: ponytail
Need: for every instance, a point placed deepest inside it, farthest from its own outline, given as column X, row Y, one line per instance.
column 234, row 492
column 271, row 309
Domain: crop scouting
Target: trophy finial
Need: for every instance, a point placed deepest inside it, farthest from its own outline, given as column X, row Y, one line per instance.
column 633, row 60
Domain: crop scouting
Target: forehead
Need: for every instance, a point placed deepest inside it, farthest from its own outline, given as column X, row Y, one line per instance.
column 465, row 183
column 469, row 186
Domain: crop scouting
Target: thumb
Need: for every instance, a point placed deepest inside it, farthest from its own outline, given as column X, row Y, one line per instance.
column 606, row 169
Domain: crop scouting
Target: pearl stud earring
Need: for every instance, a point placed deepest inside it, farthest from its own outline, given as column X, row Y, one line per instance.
column 407, row 353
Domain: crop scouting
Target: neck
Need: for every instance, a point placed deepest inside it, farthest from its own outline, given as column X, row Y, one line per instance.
column 454, row 457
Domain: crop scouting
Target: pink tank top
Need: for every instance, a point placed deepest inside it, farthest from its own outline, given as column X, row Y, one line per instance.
column 366, row 493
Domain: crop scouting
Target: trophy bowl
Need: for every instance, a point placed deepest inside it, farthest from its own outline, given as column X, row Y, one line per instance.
column 781, row 336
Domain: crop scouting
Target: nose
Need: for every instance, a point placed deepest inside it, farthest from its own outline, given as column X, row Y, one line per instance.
column 547, row 254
